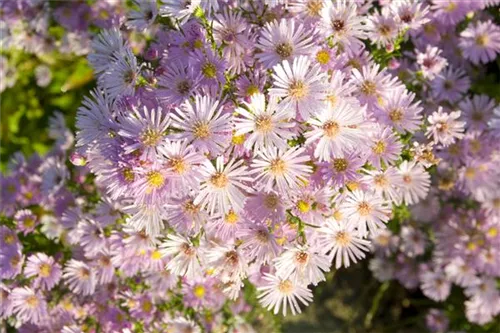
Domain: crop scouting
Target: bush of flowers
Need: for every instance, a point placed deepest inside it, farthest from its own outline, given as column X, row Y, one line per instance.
column 232, row 154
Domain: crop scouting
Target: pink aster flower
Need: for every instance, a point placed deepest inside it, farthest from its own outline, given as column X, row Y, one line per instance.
column 44, row 269
column 283, row 169
column 341, row 241
column 480, row 42
column 29, row 306
column 366, row 211
column 445, row 128
column 224, row 187
column 302, row 264
column 400, row 111
column 269, row 126
column 339, row 129
column 477, row 112
column 203, row 124
column 385, row 147
column 416, row 182
column 431, row 63
column 26, row 220
column 279, row 293
column 450, row 85
column 184, row 254
column 80, row 277
column 300, row 85
column 283, row 40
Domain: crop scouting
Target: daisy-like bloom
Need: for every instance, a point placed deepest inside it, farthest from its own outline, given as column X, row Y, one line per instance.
column 228, row 262
column 437, row 321
column 340, row 19
column 29, row 306
column 224, row 187
column 266, row 205
column 121, row 77
column 434, row 285
column 106, row 46
column 311, row 203
column 209, row 66
column 26, row 220
column 461, row 272
column 182, row 162
column 178, row 83
column 147, row 217
column 80, row 277
column 445, row 128
column 385, row 147
column 416, row 182
column 231, row 30
column 300, row 85
column 269, row 127
column 431, row 63
column 224, row 226
column 184, row 256
column 477, row 112
column 372, row 83
column 366, row 211
column 283, row 40
column 400, row 112
column 182, row 324
column 94, row 120
column 386, row 183
column 307, row 10
column 450, row 85
column 411, row 13
column 340, row 239
column 251, row 84
column 257, row 242
column 302, row 264
column 342, row 169
column 183, row 215
column 179, row 10
column 11, row 262
column 279, row 293
column 480, row 42
column 382, row 28
column 450, row 12
column 339, row 129
column 46, row 271
column 146, row 130
column 203, row 124
column 144, row 17
column 284, row 169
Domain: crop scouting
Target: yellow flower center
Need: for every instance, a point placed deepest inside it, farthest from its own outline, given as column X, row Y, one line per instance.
column 45, row 270
column 271, row 201
column 238, row 139
column 155, row 179
column 178, row 165
column 303, row 206
column 340, row 164
column 313, row 7
column 264, row 124
column 147, row 306
column 323, row 57
column 482, row 40
column 32, row 301
column 150, row 137
column 298, row 90
column 209, row 70
column 369, row 88
column 286, row 287
column 252, row 90
column 364, row 208
column 9, row 239
column 379, row 147
column 201, row 130
column 219, row 180
column 128, row 175
column 199, row 291
column 301, row 257
column 278, row 167
column 156, row 255
column 331, row 128
column 343, row 238
column 231, row 217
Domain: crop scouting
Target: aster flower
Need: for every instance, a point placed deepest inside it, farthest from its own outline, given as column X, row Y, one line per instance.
column 209, row 66
column 411, row 13
column 224, row 186
column 203, row 123
column 179, row 10
column 450, row 12
column 477, row 111
column 386, row 183
column 147, row 217
column 228, row 262
column 29, row 306
column 382, row 28
column 106, row 46
column 435, row 285
column 121, row 77
column 450, row 85
column 146, row 130
column 480, row 42
column 183, row 215
column 385, row 147
column 144, row 17
column 342, row 169
column 283, row 293
column 339, row 130
column 80, row 277
column 257, row 242
column 444, row 128
column 283, row 169
column 400, row 111
column 416, row 182
column 283, row 40
column 366, row 211
column 269, row 127
column 178, row 83
column 184, row 256
column 340, row 20
column 340, row 239
column 372, row 83
column 46, row 271
column 26, row 220
column 300, row 85
column 265, row 205
column 431, row 63
column 303, row 265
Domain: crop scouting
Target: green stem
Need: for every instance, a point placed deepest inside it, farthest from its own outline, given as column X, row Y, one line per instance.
column 375, row 304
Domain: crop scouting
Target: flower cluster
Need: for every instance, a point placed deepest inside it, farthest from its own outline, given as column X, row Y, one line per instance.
column 254, row 143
